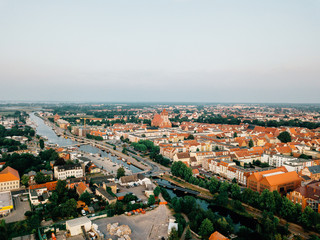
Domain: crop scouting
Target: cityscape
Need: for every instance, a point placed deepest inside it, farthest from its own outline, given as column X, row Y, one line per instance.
column 159, row 120
column 160, row 171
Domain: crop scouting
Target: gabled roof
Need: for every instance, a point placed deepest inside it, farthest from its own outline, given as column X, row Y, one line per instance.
column 132, row 178
column 314, row 169
column 217, row 236
column 183, row 155
column 82, row 187
column 105, row 194
column 9, row 174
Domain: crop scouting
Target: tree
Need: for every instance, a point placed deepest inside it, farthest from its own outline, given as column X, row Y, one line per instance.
column 206, row 228
column 61, row 190
column 214, row 185
column 119, row 208
column 25, row 180
column 157, row 191
column 251, row 143
column 222, row 198
column 69, row 208
column 85, row 197
column 235, row 134
column 304, row 156
column 188, row 234
column 124, row 150
column 284, row 137
column 3, row 230
column 151, row 200
column 235, row 191
column 173, row 235
column 121, row 172
column 60, row 162
column 307, row 217
column 41, row 143
column 41, row 178
column 129, row 197
column 190, row 137
column 188, row 204
column 114, row 148
column 267, row 201
column 269, row 224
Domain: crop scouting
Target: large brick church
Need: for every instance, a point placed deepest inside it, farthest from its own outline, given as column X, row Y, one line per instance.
column 161, row 120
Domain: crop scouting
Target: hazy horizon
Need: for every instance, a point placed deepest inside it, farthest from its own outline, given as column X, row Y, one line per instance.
column 195, row 51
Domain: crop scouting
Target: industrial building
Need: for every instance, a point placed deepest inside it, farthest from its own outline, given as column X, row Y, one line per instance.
column 6, row 204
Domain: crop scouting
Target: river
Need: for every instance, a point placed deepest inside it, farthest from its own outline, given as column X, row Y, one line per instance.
column 45, row 131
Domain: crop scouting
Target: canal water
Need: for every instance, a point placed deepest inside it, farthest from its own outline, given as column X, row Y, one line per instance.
column 45, row 131
column 238, row 221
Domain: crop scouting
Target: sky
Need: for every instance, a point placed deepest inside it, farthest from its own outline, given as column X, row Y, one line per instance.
column 160, row 50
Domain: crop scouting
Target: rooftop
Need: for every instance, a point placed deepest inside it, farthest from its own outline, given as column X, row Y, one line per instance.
column 78, row 221
column 5, row 199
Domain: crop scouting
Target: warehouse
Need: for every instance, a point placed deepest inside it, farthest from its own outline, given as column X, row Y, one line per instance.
column 74, row 226
column 6, row 204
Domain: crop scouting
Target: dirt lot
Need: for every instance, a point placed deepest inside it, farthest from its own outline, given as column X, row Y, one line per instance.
column 153, row 225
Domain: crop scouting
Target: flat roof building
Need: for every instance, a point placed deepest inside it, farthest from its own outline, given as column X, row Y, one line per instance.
column 74, row 226
column 6, row 204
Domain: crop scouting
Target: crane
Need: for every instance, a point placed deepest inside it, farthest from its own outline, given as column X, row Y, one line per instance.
column 85, row 122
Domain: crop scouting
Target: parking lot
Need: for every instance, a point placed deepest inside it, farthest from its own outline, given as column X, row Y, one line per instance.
column 17, row 214
column 152, row 225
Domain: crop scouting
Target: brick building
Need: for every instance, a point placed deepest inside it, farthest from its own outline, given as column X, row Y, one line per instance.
column 278, row 179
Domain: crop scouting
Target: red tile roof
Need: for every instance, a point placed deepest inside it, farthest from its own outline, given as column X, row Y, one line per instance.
column 9, row 174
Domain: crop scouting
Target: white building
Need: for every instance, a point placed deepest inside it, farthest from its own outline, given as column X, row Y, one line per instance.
column 74, row 226
column 172, row 225
column 291, row 163
column 9, row 179
column 6, row 204
column 39, row 195
column 65, row 171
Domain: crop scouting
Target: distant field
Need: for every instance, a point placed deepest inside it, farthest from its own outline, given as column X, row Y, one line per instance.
column 6, row 112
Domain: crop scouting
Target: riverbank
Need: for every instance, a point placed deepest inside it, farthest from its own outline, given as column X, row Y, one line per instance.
column 204, row 193
column 106, row 164
column 67, row 139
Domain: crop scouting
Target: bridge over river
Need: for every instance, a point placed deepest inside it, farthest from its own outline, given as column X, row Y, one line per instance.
column 174, row 187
